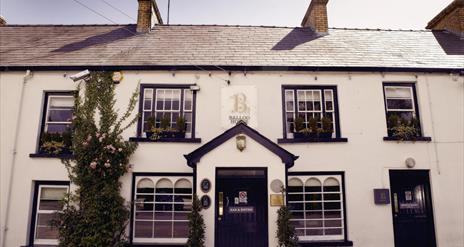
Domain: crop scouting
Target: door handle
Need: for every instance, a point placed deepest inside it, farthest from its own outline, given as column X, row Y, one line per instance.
column 395, row 203
column 221, row 204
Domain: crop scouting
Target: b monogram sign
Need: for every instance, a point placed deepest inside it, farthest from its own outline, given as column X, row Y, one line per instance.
column 238, row 103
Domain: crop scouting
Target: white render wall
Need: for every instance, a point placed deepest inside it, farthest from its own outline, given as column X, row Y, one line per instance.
column 365, row 158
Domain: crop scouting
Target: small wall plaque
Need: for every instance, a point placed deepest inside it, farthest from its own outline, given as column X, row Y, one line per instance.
column 205, row 185
column 277, row 200
column 205, row 202
column 241, row 210
column 381, row 196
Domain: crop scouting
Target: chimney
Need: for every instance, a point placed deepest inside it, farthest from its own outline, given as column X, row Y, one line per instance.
column 451, row 19
column 316, row 16
column 2, row 21
column 148, row 16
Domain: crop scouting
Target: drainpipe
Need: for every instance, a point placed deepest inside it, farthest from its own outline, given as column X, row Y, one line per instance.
column 26, row 77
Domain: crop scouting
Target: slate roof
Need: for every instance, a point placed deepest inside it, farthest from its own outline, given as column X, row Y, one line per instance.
column 187, row 45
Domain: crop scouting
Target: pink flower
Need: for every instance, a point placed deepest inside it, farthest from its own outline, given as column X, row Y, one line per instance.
column 100, row 139
column 89, row 138
column 104, row 135
column 93, row 165
column 97, row 134
column 120, row 149
column 107, row 165
column 85, row 144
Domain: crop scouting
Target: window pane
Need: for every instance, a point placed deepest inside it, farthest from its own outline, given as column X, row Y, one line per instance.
column 44, row 219
column 181, row 229
column 57, row 128
column 335, row 231
column 61, row 115
column 188, row 100
column 163, row 229
column 402, row 104
column 314, row 215
column 314, row 232
column 314, row 223
column 289, row 100
column 61, row 102
column 332, row 214
column 398, row 92
column 143, row 229
column 46, row 232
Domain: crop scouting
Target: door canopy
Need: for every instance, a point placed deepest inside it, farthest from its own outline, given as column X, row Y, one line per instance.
column 241, row 128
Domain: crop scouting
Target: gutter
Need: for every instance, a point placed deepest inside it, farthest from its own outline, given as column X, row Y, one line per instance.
column 26, row 77
column 235, row 68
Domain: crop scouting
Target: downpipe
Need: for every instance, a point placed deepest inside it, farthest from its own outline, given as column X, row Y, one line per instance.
column 26, row 78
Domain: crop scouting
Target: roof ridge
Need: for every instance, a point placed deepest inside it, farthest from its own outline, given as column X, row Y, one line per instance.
column 380, row 29
column 224, row 25
column 67, row 25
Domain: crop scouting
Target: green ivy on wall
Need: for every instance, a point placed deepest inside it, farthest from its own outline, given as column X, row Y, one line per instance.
column 96, row 214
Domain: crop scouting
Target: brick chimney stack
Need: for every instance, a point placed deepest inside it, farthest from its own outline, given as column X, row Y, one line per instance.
column 2, row 21
column 451, row 19
column 316, row 16
column 148, row 16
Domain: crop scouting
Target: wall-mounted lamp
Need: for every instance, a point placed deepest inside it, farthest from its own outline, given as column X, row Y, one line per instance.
column 241, row 142
column 195, row 87
column 410, row 162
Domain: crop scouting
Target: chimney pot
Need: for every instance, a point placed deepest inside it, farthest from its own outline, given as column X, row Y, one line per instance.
column 316, row 16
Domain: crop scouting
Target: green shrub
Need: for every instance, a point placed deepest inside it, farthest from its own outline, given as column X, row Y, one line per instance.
column 196, row 237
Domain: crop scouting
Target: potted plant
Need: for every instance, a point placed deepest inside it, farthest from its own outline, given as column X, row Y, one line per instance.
column 151, row 123
column 181, row 127
column 299, row 128
column 327, row 128
column 313, row 130
column 392, row 121
column 406, row 130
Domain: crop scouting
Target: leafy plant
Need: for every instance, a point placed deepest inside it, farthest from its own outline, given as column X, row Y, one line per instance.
column 312, row 125
column 393, row 121
column 404, row 132
column 402, row 128
column 165, row 122
column 96, row 214
column 299, row 124
column 53, row 147
column 327, row 125
column 196, row 237
column 151, row 123
column 286, row 234
column 181, row 124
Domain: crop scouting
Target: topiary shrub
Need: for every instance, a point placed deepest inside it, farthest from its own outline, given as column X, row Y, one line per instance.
column 286, row 234
column 95, row 214
column 196, row 237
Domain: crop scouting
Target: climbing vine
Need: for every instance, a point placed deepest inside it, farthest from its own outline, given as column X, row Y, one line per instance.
column 96, row 214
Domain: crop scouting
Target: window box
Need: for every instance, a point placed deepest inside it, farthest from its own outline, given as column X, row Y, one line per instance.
column 415, row 139
column 326, row 244
column 47, row 155
column 181, row 140
column 311, row 140
column 310, row 113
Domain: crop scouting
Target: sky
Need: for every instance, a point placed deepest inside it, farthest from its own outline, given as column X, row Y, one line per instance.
column 387, row 14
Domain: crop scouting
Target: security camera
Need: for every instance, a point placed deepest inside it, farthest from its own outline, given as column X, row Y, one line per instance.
column 81, row 75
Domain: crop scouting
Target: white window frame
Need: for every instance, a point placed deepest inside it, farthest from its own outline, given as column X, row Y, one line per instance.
column 322, row 179
column 47, row 112
column 155, row 179
column 152, row 110
column 39, row 241
column 411, row 90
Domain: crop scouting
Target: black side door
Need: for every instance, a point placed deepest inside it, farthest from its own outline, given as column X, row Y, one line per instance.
column 412, row 209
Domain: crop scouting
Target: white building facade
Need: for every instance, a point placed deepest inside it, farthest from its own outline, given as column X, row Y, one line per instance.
column 358, row 186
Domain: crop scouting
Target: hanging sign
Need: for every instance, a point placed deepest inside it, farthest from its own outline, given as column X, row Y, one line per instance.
column 239, row 103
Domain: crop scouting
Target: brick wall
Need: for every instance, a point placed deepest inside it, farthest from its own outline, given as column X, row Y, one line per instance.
column 316, row 16
column 144, row 16
column 451, row 19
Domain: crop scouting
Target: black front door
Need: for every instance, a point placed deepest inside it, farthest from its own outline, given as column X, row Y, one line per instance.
column 412, row 209
column 241, row 207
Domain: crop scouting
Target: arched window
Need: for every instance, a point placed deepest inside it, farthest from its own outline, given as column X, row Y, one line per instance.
column 162, row 206
column 316, row 207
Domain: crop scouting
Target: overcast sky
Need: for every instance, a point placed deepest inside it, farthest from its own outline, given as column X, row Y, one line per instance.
column 394, row 14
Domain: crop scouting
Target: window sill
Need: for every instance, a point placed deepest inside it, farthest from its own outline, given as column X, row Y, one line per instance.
column 417, row 139
column 309, row 140
column 178, row 140
column 52, row 156
column 326, row 243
